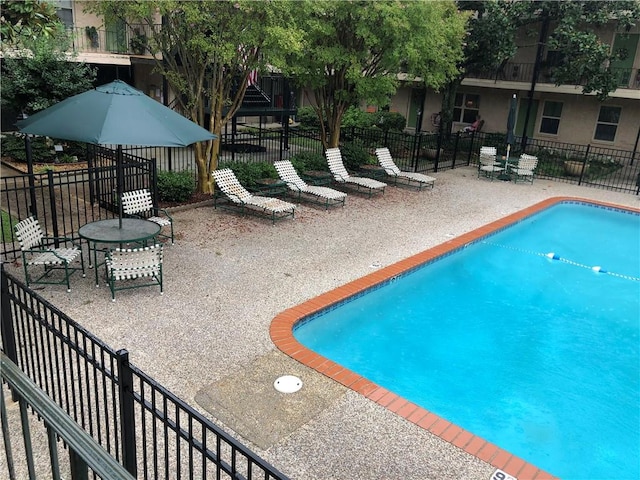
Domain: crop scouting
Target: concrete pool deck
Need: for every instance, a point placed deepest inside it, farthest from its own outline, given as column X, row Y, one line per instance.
column 228, row 277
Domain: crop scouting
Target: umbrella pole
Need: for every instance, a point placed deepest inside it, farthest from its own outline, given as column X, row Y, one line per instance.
column 119, row 178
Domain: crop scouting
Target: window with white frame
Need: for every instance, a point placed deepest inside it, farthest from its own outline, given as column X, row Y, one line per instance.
column 607, row 124
column 466, row 107
column 551, row 113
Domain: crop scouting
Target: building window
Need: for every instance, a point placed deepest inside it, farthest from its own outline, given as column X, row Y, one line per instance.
column 65, row 12
column 607, row 123
column 551, row 114
column 466, row 108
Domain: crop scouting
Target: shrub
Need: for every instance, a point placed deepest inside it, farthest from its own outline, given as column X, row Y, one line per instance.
column 307, row 118
column 390, row 121
column 354, row 155
column 309, row 161
column 42, row 149
column 175, row 186
column 356, row 117
column 248, row 173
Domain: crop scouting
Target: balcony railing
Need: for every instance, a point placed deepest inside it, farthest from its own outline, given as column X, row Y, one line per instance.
column 523, row 72
column 123, row 40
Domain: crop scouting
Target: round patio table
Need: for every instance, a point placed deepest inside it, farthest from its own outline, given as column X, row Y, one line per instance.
column 133, row 230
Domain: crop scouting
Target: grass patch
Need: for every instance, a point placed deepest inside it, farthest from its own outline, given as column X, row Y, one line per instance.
column 7, row 226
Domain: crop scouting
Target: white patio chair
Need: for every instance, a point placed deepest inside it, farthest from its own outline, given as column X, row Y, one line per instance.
column 238, row 196
column 138, row 203
column 134, row 268
column 525, row 168
column 340, row 174
column 323, row 195
column 46, row 251
column 409, row 178
column 488, row 164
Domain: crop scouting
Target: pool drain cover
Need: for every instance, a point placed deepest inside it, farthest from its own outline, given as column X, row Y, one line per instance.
column 287, row 384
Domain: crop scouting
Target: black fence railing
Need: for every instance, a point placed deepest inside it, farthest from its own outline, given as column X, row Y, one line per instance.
column 149, row 430
column 64, row 201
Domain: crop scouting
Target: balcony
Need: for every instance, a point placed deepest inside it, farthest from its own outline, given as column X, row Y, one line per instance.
column 118, row 41
column 628, row 78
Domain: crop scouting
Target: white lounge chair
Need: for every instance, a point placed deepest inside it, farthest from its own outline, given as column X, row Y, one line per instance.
column 139, row 203
column 409, row 178
column 524, row 169
column 323, row 195
column 238, row 196
column 340, row 174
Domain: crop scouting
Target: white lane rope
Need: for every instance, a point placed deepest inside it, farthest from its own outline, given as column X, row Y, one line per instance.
column 555, row 256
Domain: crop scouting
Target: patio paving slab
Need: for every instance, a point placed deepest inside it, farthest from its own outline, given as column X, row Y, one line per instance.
column 247, row 401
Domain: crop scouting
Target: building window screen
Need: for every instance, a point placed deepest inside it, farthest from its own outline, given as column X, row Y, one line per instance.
column 607, row 123
column 551, row 114
column 466, row 108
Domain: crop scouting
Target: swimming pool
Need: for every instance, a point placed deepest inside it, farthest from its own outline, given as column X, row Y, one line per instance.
column 469, row 337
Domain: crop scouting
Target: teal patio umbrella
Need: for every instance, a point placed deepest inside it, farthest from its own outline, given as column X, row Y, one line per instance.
column 115, row 114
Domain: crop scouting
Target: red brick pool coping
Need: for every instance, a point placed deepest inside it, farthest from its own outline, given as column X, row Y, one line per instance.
column 281, row 332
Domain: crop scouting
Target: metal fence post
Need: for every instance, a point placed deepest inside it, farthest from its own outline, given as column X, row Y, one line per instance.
column 127, row 418
column 6, row 323
column 584, row 164
column 6, row 319
column 154, row 182
column 52, row 205
column 417, row 146
column 32, row 182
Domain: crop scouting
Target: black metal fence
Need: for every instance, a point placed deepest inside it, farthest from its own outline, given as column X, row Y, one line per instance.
column 64, row 201
column 150, row 431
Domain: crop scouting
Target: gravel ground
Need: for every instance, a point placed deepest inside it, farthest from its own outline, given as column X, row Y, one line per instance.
column 228, row 276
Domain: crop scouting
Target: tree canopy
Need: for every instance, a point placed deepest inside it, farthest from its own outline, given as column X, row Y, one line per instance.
column 36, row 70
column 206, row 50
column 27, row 19
column 353, row 52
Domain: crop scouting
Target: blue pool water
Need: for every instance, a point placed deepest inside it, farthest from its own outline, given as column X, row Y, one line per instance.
column 539, row 356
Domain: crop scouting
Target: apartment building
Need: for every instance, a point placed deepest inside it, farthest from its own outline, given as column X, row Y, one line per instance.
column 557, row 113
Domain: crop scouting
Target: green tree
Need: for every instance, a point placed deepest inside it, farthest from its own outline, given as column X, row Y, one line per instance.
column 353, row 52
column 35, row 81
column 206, row 51
column 27, row 19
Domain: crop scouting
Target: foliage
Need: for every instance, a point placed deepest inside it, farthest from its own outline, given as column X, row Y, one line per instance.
column 390, row 121
column 42, row 149
column 248, row 173
column 353, row 155
column 175, row 186
column 353, row 52
column 309, row 161
column 8, row 223
column 308, row 119
column 356, row 117
column 34, row 82
column 206, row 50
column 28, row 20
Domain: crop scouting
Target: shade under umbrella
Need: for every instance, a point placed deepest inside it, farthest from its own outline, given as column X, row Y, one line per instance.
column 115, row 114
